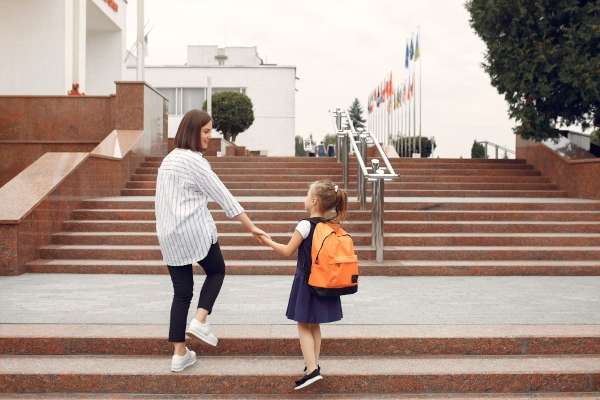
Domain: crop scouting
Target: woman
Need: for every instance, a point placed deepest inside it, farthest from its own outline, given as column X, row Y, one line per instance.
column 187, row 232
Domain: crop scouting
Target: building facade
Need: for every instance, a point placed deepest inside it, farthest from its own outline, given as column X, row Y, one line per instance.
column 271, row 88
column 47, row 46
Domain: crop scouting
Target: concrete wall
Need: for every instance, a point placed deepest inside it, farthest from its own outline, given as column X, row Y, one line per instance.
column 33, row 45
column 271, row 89
column 118, row 18
column 44, row 47
column 104, row 62
column 105, row 46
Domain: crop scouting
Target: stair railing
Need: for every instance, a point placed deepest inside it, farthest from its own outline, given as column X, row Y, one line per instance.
column 349, row 140
column 496, row 147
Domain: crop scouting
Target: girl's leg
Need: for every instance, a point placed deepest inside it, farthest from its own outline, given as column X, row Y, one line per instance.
column 307, row 345
column 183, row 291
column 316, row 333
column 214, row 267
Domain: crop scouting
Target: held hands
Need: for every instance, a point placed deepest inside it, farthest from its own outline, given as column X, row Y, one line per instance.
column 261, row 236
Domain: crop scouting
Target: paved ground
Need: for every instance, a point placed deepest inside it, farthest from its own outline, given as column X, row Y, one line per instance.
column 388, row 199
column 145, row 299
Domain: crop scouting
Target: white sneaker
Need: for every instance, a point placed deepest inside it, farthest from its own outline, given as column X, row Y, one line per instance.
column 179, row 363
column 202, row 331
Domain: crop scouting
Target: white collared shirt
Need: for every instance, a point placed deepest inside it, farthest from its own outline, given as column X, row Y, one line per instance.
column 184, row 225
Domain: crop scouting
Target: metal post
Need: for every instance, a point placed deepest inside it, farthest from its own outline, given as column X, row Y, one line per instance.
column 374, row 203
column 486, row 150
column 338, row 148
column 345, row 159
column 361, row 178
column 496, row 152
column 377, row 213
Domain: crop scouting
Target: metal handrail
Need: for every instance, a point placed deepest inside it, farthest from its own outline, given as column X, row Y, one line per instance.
column 345, row 139
column 486, row 143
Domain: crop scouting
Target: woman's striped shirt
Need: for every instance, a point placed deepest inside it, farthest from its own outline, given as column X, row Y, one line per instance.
column 184, row 225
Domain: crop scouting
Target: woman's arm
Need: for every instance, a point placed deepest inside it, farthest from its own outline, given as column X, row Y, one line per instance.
column 249, row 225
column 211, row 184
column 285, row 250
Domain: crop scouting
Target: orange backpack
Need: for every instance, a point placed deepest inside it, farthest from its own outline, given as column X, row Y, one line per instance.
column 334, row 269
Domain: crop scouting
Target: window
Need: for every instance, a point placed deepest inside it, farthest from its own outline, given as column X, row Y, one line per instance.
column 231, row 89
column 192, row 98
column 170, row 94
column 182, row 100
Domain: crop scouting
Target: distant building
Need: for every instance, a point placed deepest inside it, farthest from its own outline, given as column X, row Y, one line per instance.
column 47, row 46
column 271, row 88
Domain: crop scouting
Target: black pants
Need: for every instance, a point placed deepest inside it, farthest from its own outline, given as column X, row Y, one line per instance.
column 183, row 287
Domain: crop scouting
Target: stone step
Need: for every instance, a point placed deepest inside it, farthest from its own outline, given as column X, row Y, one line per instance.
column 335, row 396
column 150, row 238
column 138, row 202
column 227, row 178
column 272, row 178
column 357, row 215
column 353, row 159
column 390, row 187
column 275, row 375
column 465, row 253
column 333, row 164
column 367, row 268
column 359, row 226
column 360, row 239
column 388, row 192
column 266, row 171
column 282, row 340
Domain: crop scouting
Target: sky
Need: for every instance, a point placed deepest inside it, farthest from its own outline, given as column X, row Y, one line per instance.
column 343, row 50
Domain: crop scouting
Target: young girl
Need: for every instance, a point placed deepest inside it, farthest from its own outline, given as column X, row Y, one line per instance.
column 324, row 201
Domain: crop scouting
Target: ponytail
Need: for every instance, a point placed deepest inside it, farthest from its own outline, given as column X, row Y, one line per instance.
column 331, row 198
column 341, row 205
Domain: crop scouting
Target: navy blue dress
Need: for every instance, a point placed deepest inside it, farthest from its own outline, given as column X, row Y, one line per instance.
column 304, row 305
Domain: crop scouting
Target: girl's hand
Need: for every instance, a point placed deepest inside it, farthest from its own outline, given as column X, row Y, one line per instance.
column 258, row 233
column 264, row 240
column 255, row 230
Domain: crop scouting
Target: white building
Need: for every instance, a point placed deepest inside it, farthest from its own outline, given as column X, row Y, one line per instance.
column 47, row 45
column 270, row 87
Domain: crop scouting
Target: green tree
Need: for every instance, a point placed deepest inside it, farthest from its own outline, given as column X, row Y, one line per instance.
column 300, row 146
column 596, row 137
column 478, row 150
column 232, row 113
column 355, row 111
column 544, row 57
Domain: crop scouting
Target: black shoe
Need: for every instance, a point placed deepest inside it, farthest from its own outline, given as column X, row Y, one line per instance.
column 318, row 367
column 309, row 379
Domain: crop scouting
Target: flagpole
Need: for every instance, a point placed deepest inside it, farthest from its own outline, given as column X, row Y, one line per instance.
column 420, row 94
column 403, row 124
column 410, row 127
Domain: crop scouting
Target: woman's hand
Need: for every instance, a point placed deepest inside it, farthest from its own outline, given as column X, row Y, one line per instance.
column 256, row 231
column 260, row 235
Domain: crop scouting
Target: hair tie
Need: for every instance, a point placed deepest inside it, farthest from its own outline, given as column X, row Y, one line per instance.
column 335, row 187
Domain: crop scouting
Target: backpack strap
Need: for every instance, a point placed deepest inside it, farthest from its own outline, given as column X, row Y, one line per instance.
column 316, row 220
column 325, row 231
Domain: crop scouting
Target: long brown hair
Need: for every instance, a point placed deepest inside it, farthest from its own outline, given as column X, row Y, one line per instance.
column 331, row 197
column 188, row 133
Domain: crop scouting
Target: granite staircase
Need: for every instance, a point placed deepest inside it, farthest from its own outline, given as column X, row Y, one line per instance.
column 476, row 219
column 459, row 217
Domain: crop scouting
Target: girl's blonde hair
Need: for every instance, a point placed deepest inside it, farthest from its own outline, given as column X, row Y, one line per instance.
column 331, row 197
